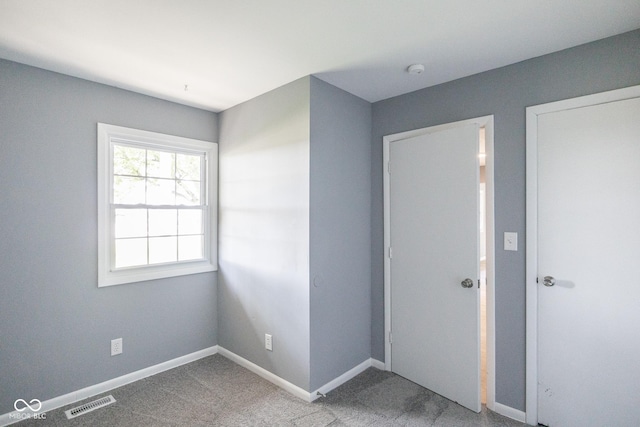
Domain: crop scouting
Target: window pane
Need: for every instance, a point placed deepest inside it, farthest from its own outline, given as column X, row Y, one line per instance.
column 161, row 164
column 189, row 221
column 162, row 249
column 131, row 223
column 130, row 252
column 188, row 167
column 128, row 160
column 128, row 190
column 188, row 193
column 163, row 222
column 161, row 192
column 190, row 247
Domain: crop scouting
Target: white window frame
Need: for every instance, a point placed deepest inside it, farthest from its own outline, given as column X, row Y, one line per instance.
column 108, row 135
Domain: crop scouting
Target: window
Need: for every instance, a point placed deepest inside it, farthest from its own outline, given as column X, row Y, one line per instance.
column 157, row 205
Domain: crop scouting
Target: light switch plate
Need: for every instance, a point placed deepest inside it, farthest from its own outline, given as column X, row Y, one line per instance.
column 510, row 241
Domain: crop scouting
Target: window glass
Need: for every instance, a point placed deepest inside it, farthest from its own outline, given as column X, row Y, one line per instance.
column 188, row 193
column 161, row 164
column 189, row 247
column 163, row 222
column 189, row 221
column 131, row 252
column 131, row 223
column 128, row 190
column 129, row 160
column 163, row 249
column 188, row 167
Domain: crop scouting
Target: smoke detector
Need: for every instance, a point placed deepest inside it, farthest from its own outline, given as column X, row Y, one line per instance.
column 415, row 69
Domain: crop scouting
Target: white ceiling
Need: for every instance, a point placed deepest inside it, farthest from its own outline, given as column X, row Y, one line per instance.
column 227, row 51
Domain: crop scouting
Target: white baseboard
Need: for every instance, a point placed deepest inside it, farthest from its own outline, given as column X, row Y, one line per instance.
column 76, row 396
column 510, row 412
column 351, row 373
column 378, row 364
column 292, row 388
column 269, row 376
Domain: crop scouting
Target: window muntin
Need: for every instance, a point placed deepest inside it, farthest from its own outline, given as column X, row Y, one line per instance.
column 156, row 216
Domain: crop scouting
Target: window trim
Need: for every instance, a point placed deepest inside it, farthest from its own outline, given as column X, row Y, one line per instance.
column 107, row 136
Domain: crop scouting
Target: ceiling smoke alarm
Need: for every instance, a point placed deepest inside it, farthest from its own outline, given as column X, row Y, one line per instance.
column 415, row 69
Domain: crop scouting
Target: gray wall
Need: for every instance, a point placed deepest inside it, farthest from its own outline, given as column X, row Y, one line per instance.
column 55, row 324
column 264, row 231
column 340, row 232
column 603, row 65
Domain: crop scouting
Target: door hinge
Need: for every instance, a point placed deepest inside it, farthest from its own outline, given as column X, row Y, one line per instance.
column 390, row 338
column 389, row 167
column 478, row 283
column 390, row 252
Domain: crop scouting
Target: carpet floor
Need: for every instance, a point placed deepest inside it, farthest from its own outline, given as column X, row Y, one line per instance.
column 215, row 391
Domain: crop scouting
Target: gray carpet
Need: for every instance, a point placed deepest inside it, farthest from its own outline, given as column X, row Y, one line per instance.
column 216, row 392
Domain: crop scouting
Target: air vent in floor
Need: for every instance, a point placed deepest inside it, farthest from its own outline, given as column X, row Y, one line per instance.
column 89, row 406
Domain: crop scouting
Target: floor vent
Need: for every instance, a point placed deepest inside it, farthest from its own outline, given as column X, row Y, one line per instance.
column 90, row 406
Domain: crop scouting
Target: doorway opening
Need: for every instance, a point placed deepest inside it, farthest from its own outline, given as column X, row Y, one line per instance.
column 482, row 227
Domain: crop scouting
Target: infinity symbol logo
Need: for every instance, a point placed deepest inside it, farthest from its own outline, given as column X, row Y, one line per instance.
column 35, row 408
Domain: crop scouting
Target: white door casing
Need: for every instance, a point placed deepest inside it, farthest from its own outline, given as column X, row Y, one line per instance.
column 447, row 311
column 583, row 209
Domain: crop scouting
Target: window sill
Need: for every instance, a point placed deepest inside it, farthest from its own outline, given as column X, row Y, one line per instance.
column 120, row 277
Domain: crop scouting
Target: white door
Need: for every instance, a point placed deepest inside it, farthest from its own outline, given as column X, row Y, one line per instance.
column 434, row 241
column 588, row 237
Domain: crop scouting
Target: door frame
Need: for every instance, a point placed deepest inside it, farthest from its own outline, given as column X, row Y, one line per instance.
column 488, row 123
column 532, row 114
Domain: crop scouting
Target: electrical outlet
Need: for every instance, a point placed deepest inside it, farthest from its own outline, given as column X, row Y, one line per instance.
column 116, row 346
column 268, row 342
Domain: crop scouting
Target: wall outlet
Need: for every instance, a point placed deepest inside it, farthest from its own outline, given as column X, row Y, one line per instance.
column 116, row 346
column 268, row 342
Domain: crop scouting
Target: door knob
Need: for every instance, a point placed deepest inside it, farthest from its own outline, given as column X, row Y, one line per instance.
column 548, row 281
column 467, row 283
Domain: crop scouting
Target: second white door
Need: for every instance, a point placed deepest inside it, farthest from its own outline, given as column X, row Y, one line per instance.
column 588, row 237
